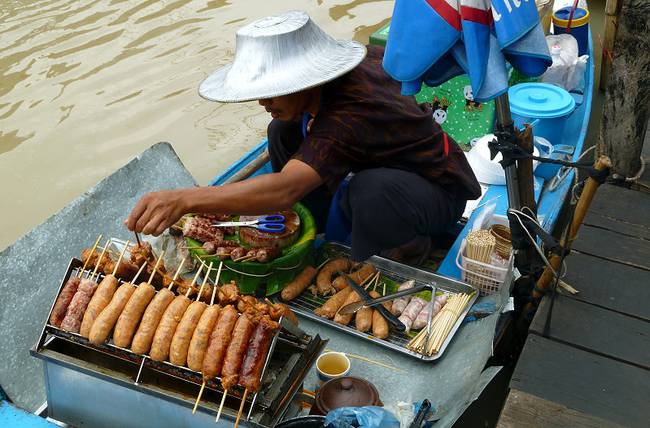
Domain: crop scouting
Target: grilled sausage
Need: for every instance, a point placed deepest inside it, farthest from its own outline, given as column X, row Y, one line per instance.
column 131, row 315
column 162, row 338
column 218, row 343
column 235, row 353
column 183, row 334
column 258, row 346
column 363, row 319
column 201, row 336
column 324, row 279
column 152, row 315
column 63, row 301
column 107, row 318
column 298, row 285
column 346, row 318
column 380, row 326
column 333, row 304
column 357, row 276
column 101, row 298
column 77, row 307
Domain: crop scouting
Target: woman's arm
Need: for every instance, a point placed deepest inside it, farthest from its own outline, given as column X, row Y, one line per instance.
column 156, row 211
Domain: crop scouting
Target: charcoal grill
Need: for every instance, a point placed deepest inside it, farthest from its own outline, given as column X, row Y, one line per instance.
column 105, row 385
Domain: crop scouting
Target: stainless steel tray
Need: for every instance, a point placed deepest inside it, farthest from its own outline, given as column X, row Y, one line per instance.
column 306, row 303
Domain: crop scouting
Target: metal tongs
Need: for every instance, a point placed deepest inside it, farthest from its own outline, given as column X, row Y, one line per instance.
column 357, row 306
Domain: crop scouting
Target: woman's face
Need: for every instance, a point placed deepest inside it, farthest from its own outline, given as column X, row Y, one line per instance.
column 286, row 107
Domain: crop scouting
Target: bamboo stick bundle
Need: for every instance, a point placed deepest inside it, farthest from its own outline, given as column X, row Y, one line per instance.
column 442, row 324
column 480, row 245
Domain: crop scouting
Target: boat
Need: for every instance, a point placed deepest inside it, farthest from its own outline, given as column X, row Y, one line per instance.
column 397, row 377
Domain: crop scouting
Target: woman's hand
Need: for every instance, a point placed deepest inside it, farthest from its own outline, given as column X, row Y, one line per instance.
column 157, row 211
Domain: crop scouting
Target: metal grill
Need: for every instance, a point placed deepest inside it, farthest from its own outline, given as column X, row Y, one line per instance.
column 277, row 387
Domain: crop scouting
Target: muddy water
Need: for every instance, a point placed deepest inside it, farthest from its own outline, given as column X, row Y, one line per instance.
column 86, row 85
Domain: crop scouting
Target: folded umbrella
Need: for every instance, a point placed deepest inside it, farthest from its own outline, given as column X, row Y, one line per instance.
column 421, row 33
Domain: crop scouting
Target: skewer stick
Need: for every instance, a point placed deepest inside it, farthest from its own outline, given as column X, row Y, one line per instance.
column 81, row 273
column 241, row 408
column 323, row 264
column 216, row 284
column 196, row 277
column 153, row 272
column 135, row 278
column 205, row 280
column 176, row 227
column 137, row 239
column 99, row 260
column 119, row 260
column 178, row 271
column 198, row 398
column 223, row 400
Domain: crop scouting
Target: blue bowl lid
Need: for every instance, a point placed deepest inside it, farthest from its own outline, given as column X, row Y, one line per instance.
column 540, row 101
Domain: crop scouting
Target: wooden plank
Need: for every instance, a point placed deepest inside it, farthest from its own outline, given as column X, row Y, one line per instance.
column 615, row 225
column 583, row 381
column 613, row 246
column 524, row 410
column 608, row 284
column 595, row 329
column 623, row 204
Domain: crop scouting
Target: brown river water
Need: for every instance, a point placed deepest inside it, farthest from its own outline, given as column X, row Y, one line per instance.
column 87, row 85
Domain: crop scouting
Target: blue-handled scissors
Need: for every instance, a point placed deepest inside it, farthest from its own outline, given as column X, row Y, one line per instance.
column 268, row 223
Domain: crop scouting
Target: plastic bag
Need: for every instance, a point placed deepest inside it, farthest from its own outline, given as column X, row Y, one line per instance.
column 567, row 70
column 363, row 417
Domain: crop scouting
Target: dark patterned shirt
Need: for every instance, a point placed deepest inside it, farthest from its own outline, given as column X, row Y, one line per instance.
column 364, row 122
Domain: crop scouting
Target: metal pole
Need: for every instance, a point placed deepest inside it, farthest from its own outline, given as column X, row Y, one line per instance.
column 505, row 123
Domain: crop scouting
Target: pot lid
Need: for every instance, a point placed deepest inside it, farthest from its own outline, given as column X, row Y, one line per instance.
column 346, row 391
column 540, row 101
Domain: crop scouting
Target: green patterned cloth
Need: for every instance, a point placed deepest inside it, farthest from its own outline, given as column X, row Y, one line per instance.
column 457, row 113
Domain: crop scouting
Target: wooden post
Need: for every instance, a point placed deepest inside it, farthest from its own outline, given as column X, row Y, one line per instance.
column 627, row 101
column 612, row 9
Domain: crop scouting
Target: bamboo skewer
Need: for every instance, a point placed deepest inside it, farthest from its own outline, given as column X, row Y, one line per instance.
column 119, row 260
column 223, row 400
column 214, row 292
column 99, row 260
column 442, row 325
column 155, row 268
column 137, row 239
column 92, row 251
column 196, row 277
column 135, row 278
column 198, row 398
column 178, row 271
column 205, row 280
column 241, row 408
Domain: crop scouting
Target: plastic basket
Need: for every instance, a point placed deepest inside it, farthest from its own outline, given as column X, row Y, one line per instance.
column 487, row 278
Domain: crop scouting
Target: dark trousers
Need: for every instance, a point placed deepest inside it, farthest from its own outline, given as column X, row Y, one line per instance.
column 388, row 208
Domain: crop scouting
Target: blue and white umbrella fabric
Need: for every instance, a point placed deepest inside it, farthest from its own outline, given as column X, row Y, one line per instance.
column 432, row 41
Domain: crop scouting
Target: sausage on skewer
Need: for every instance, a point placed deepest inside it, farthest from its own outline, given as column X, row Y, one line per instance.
column 77, row 307
column 218, row 343
column 63, row 301
column 258, row 346
column 235, row 353
column 201, row 336
column 150, row 320
column 107, row 318
column 101, row 298
column 183, row 334
column 152, row 316
column 131, row 314
column 162, row 338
